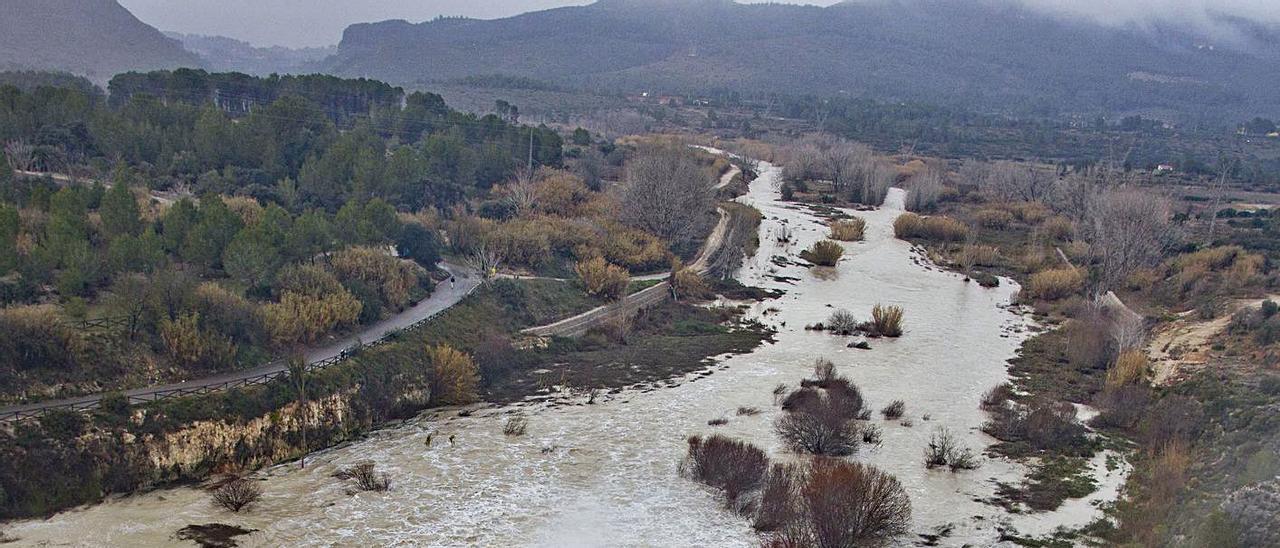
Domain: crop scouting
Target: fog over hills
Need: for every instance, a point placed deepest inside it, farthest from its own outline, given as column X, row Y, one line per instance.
column 94, row 38
column 989, row 54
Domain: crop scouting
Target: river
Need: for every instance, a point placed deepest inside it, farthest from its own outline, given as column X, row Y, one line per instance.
column 605, row 474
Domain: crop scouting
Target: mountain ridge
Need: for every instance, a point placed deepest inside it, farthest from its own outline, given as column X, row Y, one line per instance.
column 988, row 54
column 92, row 38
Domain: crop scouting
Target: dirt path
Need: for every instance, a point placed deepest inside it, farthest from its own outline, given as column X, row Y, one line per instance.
column 1185, row 345
column 166, row 198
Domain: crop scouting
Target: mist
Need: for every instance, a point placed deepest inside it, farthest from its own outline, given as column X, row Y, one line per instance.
column 298, row 23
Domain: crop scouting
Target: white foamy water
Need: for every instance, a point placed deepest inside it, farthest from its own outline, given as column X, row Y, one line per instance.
column 605, row 474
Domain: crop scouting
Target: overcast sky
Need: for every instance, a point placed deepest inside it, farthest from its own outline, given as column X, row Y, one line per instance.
column 320, row 22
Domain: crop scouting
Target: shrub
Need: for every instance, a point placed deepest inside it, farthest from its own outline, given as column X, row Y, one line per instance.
column 599, row 278
column 986, row 280
column 779, row 496
column 1041, row 425
column 689, row 284
column 872, row 435
column 515, row 426
column 392, row 277
column 944, row 450
column 993, row 218
column 995, row 398
column 732, row 466
column 894, row 410
column 1130, row 368
column 938, row 228
column 842, row 322
column 1058, row 229
column 886, row 321
column 1054, row 284
column 853, row 504
column 1122, row 406
column 824, row 370
column 980, row 255
column 366, row 476
column 821, row 422
column 454, row 376
column 302, row 319
column 745, row 411
column 823, row 253
column 237, row 494
column 848, row 230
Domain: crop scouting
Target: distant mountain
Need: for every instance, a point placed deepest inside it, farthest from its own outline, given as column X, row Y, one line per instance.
column 226, row 54
column 987, row 54
column 93, row 38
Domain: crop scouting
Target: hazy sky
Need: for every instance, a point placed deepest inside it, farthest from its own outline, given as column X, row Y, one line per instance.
column 320, row 22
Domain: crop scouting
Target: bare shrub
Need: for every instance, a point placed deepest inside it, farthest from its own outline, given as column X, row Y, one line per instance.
column 1127, row 229
column 718, row 421
column 1041, row 425
column 821, row 421
column 823, row 370
column 925, row 188
column 1122, row 406
column 1173, row 418
column 366, row 477
column 736, row 468
column 688, row 284
column 1054, row 284
column 995, row 398
column 894, row 410
column 848, row 230
column 515, row 426
column 778, row 392
column 871, row 435
column 237, row 494
column 908, row 225
column 886, row 321
column 853, row 504
column 944, row 450
column 748, row 411
column 779, row 496
column 980, row 255
column 842, row 322
column 823, row 253
column 599, row 278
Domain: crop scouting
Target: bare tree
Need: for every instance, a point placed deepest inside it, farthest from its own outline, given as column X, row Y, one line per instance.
column 667, row 193
column 1128, row 229
column 1013, row 181
column 485, row 262
column 924, row 188
column 22, row 156
column 298, row 374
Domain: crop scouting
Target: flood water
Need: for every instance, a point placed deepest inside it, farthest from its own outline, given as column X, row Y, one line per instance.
column 605, row 474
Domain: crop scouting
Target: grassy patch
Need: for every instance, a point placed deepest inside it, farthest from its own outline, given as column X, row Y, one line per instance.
column 1051, row 481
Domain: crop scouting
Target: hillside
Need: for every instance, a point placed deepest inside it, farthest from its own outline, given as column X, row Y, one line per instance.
column 220, row 53
column 94, row 38
column 990, row 55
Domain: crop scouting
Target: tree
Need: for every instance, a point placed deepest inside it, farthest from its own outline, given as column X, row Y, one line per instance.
column 120, row 213
column 310, row 235
column 210, row 236
column 419, row 243
column 10, row 226
column 252, row 257
column 581, row 137
column 129, row 297
column 177, row 223
column 667, row 193
column 1127, row 230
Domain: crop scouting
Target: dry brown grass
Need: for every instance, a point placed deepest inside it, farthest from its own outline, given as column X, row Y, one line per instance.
column 887, row 320
column 937, row 228
column 1130, row 368
column 980, row 255
column 824, row 253
column 993, row 218
column 848, row 230
column 1054, row 284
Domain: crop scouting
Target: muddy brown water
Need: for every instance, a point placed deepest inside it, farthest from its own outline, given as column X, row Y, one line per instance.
column 605, row 474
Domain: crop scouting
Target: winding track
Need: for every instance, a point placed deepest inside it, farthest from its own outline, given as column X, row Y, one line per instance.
column 446, row 294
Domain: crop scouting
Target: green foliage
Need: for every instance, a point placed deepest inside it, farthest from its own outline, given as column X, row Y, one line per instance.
column 120, row 214
column 10, row 225
column 212, row 233
column 419, row 243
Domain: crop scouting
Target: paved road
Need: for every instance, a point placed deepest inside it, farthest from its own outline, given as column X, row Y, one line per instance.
column 445, row 295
